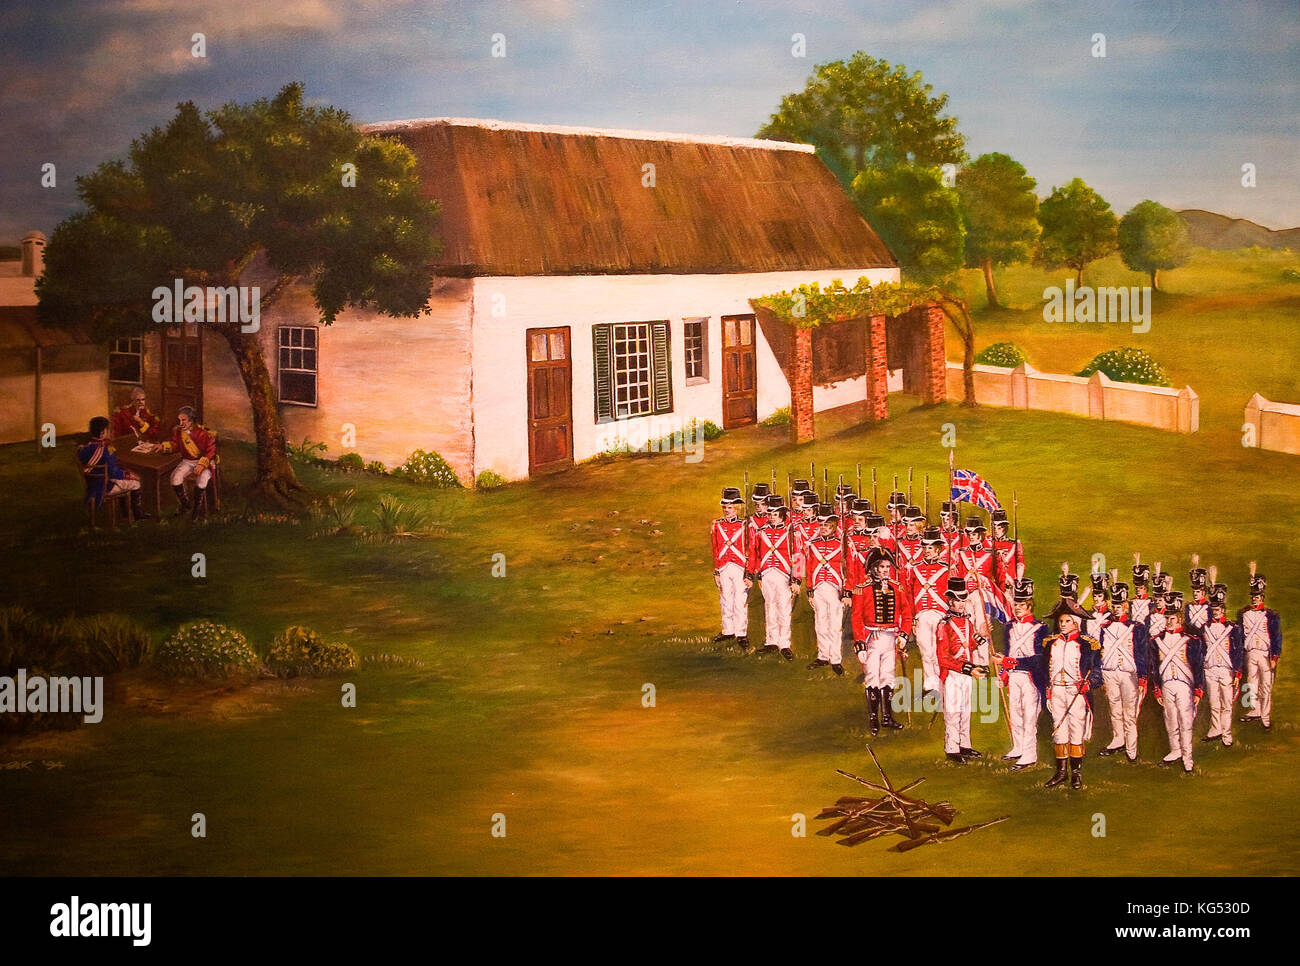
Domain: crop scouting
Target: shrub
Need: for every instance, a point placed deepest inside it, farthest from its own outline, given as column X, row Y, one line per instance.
column 1291, row 274
column 425, row 466
column 374, row 466
column 1128, row 365
column 300, row 651
column 205, row 649
column 394, row 519
column 307, row 451
column 781, row 417
column 489, row 480
column 338, row 513
column 709, row 430
column 1008, row 355
column 104, row 643
column 351, row 463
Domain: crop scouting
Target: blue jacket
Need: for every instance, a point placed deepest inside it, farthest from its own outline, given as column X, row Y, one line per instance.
column 92, row 456
column 1274, row 629
column 1194, row 651
column 1035, row 664
column 1141, row 643
column 1236, row 644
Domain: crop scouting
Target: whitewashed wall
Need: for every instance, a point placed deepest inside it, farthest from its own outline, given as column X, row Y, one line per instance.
column 500, row 367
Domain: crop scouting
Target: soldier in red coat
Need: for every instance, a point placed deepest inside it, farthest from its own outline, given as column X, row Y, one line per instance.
column 953, row 538
column 823, row 564
column 881, row 610
column 858, row 541
column 199, row 451
column 908, row 552
column 975, row 566
column 772, row 563
column 958, row 641
column 135, row 418
column 727, row 536
column 926, row 585
column 1008, row 554
column 897, row 509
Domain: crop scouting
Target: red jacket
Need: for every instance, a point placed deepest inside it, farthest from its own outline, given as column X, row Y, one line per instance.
column 729, row 542
column 956, row 639
column 201, row 445
column 1009, row 561
column 880, row 606
column 926, row 584
column 772, row 547
column 126, row 420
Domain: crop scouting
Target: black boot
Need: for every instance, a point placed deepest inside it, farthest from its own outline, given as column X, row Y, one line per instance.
column 887, row 709
column 181, row 498
column 873, row 710
column 955, row 758
column 723, row 637
column 137, row 506
column 200, row 503
column 742, row 642
column 1076, row 772
column 1057, row 778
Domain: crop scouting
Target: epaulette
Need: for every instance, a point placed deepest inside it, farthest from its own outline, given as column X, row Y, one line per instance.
column 1092, row 642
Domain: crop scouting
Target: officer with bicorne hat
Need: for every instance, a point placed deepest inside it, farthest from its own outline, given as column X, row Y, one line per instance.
column 881, row 610
column 1073, row 670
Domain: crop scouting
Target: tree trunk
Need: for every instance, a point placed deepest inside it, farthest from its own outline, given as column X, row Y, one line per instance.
column 987, row 265
column 966, row 329
column 801, row 389
column 275, row 477
column 1078, row 277
column 1155, row 279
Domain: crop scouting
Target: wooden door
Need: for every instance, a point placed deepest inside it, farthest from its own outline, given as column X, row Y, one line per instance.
column 739, row 377
column 182, row 371
column 550, row 400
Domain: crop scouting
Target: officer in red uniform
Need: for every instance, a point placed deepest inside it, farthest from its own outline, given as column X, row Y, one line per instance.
column 880, row 612
column 135, row 418
column 199, row 451
column 927, row 584
column 727, row 535
column 958, row 640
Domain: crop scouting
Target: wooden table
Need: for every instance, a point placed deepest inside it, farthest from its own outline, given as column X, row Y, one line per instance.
column 152, row 468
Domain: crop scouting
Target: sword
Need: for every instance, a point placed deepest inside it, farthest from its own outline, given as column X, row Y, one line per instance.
column 902, row 656
column 1056, row 724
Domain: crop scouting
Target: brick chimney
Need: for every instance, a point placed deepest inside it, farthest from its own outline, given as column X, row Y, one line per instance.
column 33, row 254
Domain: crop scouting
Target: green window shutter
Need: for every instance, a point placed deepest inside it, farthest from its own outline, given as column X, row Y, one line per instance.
column 662, row 384
column 600, row 354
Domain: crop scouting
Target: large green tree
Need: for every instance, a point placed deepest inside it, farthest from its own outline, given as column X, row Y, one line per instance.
column 1000, row 211
column 866, row 113
column 1077, row 227
column 916, row 215
column 202, row 197
column 1151, row 238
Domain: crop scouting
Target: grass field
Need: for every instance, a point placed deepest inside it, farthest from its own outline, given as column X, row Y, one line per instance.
column 527, row 696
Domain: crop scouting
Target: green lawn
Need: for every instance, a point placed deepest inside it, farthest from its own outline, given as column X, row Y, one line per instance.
column 526, row 698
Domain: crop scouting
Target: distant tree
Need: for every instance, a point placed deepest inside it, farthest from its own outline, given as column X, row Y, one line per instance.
column 916, row 215
column 1152, row 237
column 1078, row 227
column 1000, row 211
column 201, row 198
column 864, row 113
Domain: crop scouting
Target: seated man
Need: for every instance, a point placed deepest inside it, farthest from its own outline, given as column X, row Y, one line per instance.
column 199, row 451
column 135, row 417
column 104, row 477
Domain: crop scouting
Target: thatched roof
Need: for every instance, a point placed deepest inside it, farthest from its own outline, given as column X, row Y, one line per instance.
column 19, row 329
column 521, row 199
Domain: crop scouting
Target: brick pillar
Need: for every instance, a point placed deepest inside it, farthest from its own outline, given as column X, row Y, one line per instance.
column 801, row 388
column 934, row 378
column 877, row 368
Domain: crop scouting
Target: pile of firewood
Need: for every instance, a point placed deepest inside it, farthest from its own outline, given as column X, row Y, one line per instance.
column 893, row 813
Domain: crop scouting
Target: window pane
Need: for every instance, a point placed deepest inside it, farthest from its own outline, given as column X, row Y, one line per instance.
column 309, row 359
column 556, row 340
column 309, row 338
column 746, row 331
column 298, row 387
column 537, row 347
column 729, row 327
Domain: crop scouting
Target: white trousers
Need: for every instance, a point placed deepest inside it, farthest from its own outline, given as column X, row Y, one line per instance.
column 1122, row 696
column 1025, row 705
column 1180, row 712
column 1218, row 688
column 1074, row 727
column 828, row 620
column 1260, row 678
column 778, row 600
column 123, row 485
column 956, row 711
column 734, row 599
column 187, row 468
column 878, row 659
column 926, row 627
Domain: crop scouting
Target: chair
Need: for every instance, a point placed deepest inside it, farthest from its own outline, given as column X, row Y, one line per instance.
column 111, row 500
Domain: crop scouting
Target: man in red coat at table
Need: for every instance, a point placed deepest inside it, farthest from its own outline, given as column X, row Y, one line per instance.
column 135, row 418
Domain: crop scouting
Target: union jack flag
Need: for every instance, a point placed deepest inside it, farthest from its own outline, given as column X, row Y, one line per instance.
column 969, row 487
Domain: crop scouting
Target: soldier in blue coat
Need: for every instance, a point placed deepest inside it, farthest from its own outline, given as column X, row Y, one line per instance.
column 1224, row 657
column 104, row 476
column 1073, row 669
column 1124, row 648
column 1261, row 631
column 1176, row 662
column 1023, row 673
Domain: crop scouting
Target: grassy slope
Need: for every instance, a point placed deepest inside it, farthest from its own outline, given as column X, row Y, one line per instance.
column 529, row 700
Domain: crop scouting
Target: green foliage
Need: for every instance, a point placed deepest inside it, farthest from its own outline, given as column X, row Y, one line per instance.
column 489, row 480
column 1077, row 227
column 866, row 113
column 1000, row 210
column 205, row 649
column 395, row 519
column 97, row 645
column 1291, row 274
column 374, row 466
column 808, row 306
column 1128, row 365
column 709, row 430
column 1008, row 355
column 306, row 451
column 300, row 652
column 779, row 417
column 426, row 466
column 351, row 463
column 916, row 215
column 1152, row 238
column 338, row 513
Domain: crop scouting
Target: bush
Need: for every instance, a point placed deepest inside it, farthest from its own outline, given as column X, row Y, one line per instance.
column 781, row 417
column 394, row 519
column 1008, row 355
column 306, row 451
column 338, row 513
column 425, row 466
column 93, row 646
column 489, row 480
column 1128, row 365
column 204, row 649
column 351, row 463
column 374, row 466
column 300, row 652
column 709, row 430
column 1291, row 274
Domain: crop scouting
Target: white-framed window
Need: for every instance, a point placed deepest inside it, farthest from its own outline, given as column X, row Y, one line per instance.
column 696, row 337
column 633, row 371
column 298, row 364
column 126, row 360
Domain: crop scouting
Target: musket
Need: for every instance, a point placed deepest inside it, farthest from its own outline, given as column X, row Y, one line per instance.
column 952, row 833
column 902, row 656
column 858, row 489
column 927, row 499
column 911, row 827
column 788, row 484
column 909, row 485
column 875, row 497
column 825, row 485
column 1015, row 513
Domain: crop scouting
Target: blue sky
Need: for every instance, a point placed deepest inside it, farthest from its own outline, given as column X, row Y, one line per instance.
column 1187, row 92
